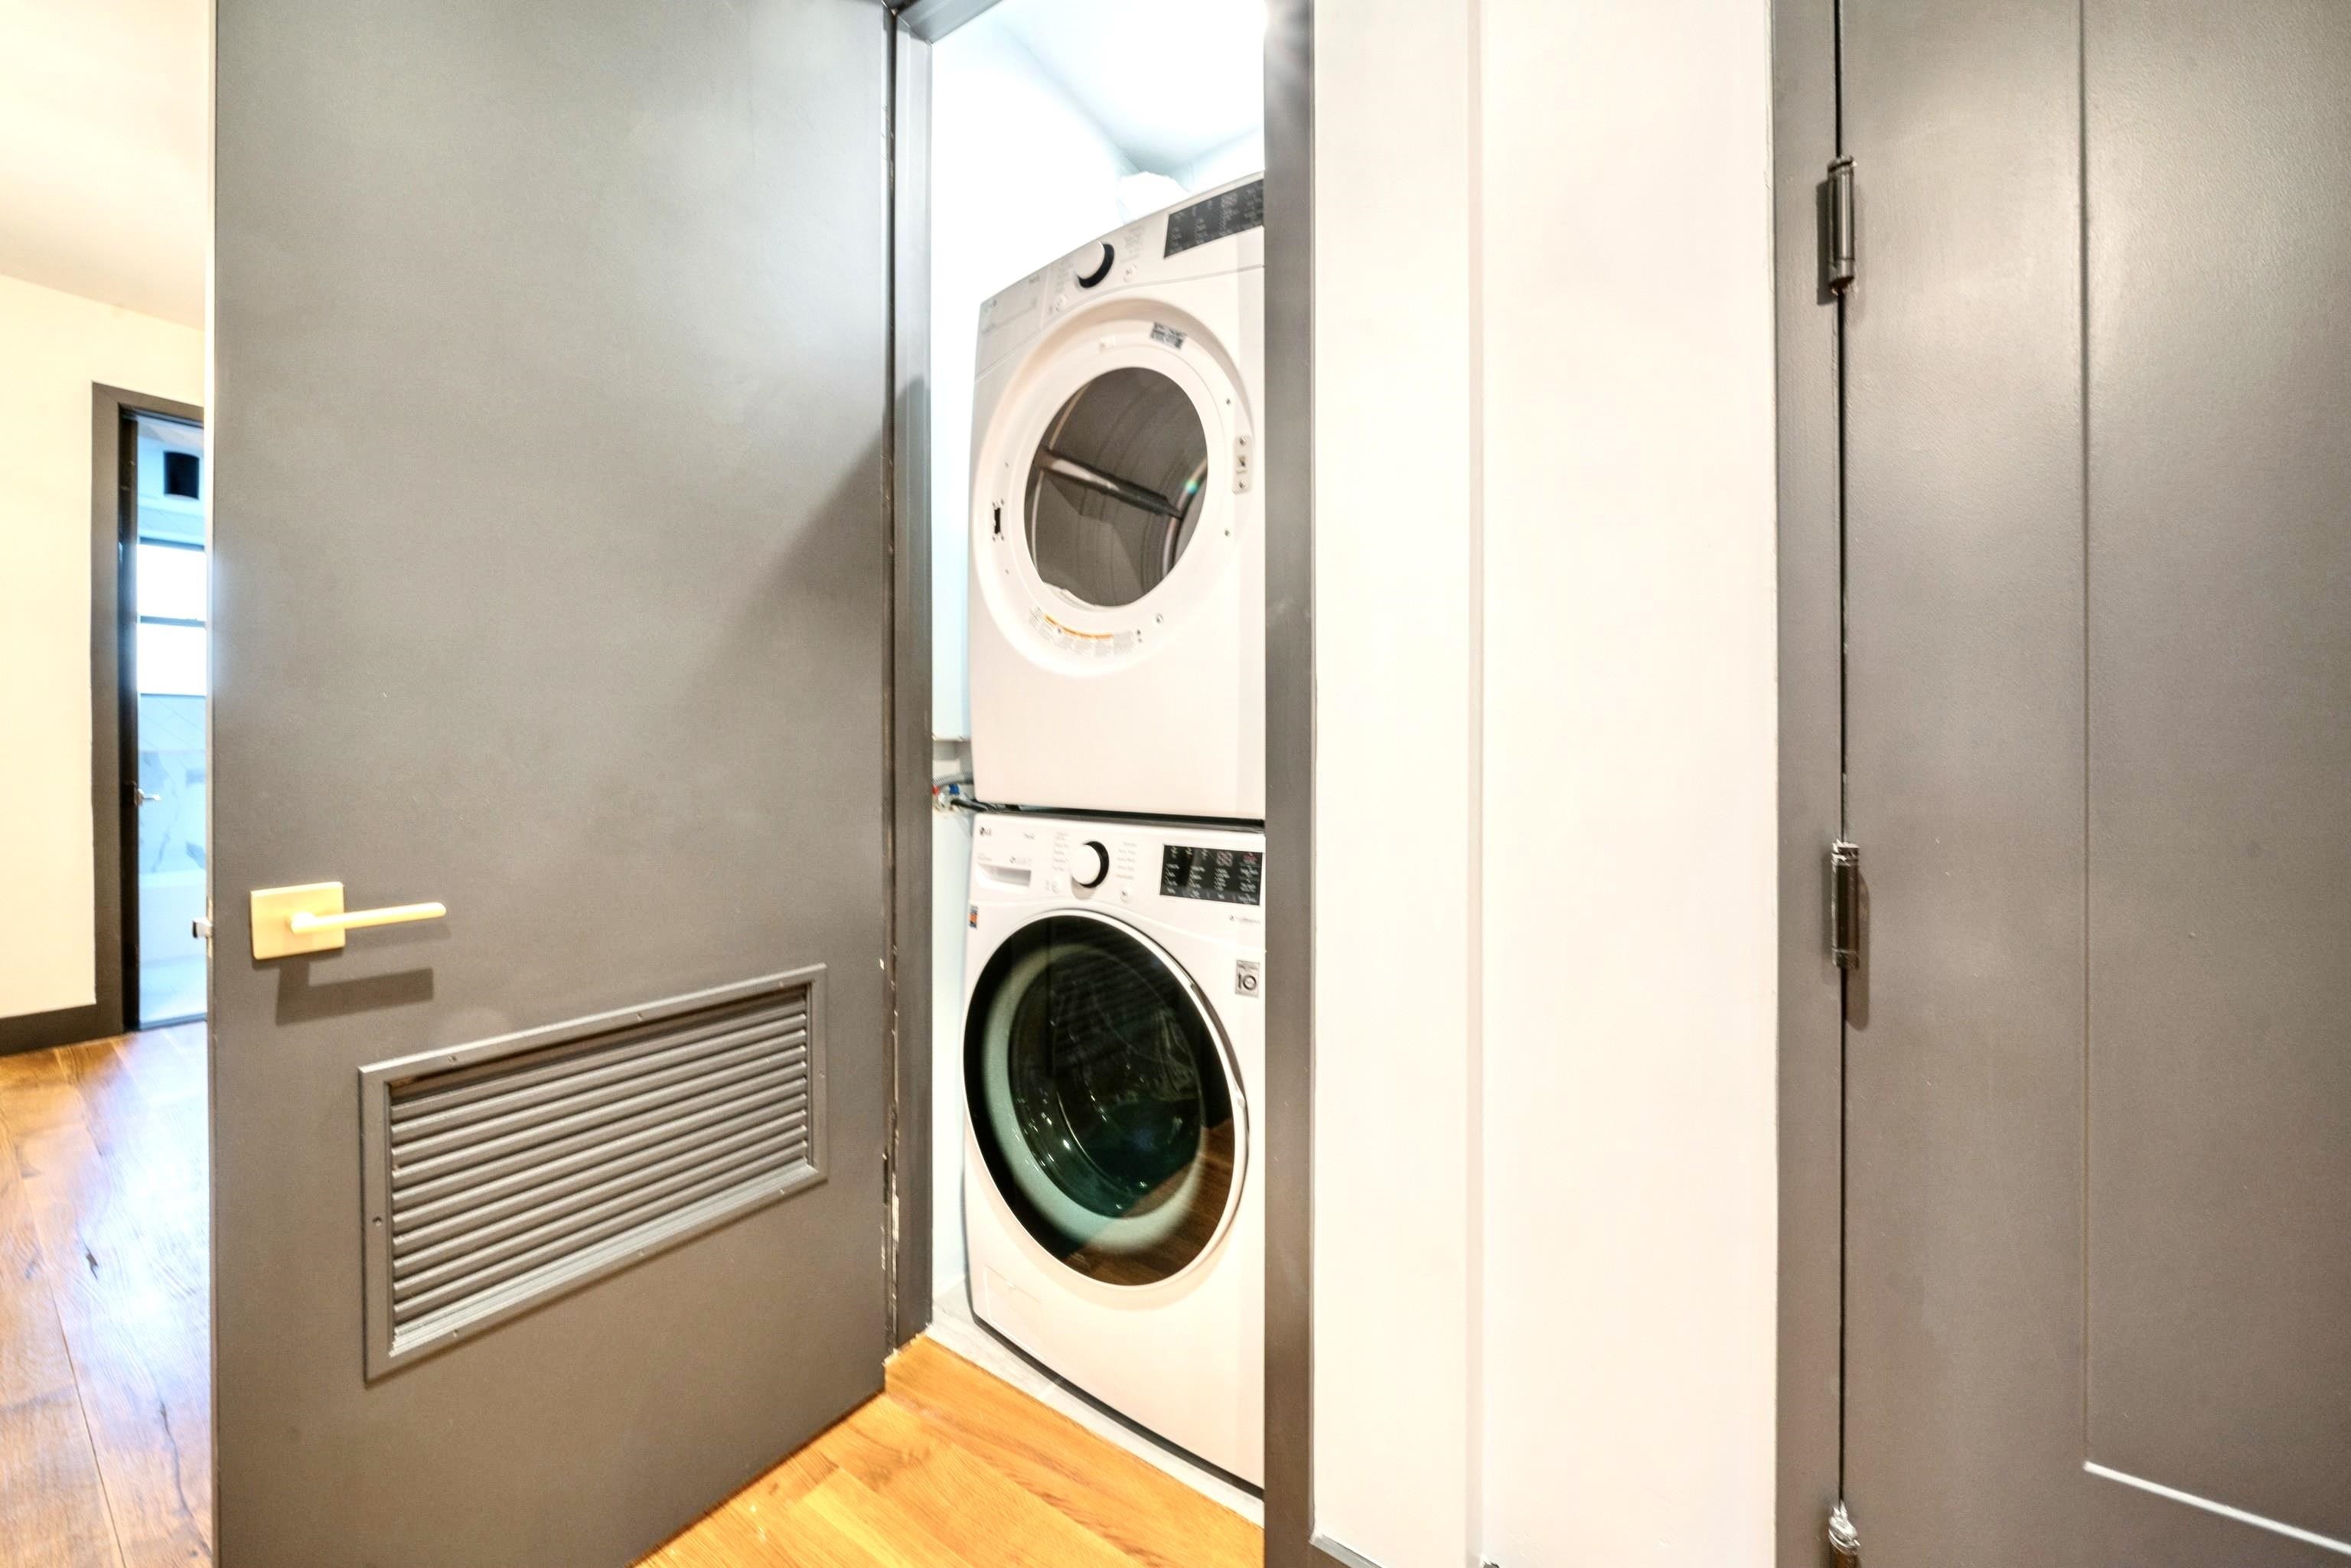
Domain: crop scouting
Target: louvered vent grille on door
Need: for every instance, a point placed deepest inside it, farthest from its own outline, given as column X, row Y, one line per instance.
column 503, row 1172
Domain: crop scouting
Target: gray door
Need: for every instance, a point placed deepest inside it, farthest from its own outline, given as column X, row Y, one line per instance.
column 551, row 586
column 2098, row 565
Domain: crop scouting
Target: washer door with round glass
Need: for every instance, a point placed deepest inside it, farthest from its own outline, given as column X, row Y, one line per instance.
column 1102, row 1100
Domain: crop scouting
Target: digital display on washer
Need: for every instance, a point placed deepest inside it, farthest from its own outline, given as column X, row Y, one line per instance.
column 1221, row 876
column 1217, row 217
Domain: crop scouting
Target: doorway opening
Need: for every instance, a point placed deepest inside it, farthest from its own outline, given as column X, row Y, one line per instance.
column 1091, row 225
column 166, row 591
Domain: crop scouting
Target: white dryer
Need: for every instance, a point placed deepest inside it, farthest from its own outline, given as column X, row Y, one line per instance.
column 1117, row 545
column 1113, row 1046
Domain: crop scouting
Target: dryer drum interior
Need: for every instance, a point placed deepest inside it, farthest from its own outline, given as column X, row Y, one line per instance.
column 1101, row 1100
column 1115, row 488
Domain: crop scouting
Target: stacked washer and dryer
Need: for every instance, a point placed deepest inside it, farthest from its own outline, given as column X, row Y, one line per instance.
column 1113, row 1031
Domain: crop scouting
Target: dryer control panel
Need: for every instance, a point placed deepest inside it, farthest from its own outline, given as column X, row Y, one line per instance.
column 1168, row 247
column 1235, row 210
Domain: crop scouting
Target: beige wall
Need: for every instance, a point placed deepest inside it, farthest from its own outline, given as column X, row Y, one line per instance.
column 53, row 347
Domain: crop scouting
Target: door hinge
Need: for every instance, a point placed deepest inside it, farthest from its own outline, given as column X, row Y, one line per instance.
column 1844, row 1539
column 1836, row 268
column 1844, row 903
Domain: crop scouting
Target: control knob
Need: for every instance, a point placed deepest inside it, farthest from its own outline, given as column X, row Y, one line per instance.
column 1089, row 863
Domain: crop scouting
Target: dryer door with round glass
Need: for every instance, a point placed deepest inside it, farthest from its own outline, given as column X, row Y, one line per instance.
column 1103, row 1100
column 1105, row 493
column 1113, row 493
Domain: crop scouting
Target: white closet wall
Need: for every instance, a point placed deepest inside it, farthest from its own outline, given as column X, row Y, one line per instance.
column 1545, row 815
column 1395, row 475
column 1020, row 175
column 1241, row 155
column 1630, row 788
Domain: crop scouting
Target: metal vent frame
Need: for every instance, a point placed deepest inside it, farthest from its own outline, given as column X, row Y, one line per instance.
column 389, row 1351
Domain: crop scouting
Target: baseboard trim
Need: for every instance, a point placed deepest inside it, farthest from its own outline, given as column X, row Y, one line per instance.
column 45, row 1032
column 1345, row 1556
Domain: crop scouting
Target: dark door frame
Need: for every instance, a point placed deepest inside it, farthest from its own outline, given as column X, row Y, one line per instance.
column 1290, row 1539
column 1806, row 136
column 914, row 25
column 1290, row 756
column 127, row 689
column 113, row 730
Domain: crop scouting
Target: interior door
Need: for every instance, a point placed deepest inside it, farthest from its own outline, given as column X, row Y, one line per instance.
column 551, row 586
column 2098, row 577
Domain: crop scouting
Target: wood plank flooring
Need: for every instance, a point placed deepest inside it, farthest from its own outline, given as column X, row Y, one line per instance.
column 105, row 1310
column 105, row 1408
column 952, row 1467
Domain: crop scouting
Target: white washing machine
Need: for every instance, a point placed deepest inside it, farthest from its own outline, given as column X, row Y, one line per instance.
column 1114, row 1187
column 1118, row 546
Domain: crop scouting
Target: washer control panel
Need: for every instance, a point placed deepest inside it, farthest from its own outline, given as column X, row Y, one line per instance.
column 1219, row 876
column 1127, row 863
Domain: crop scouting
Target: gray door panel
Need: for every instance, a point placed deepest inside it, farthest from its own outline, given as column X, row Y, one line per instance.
column 2098, row 574
column 553, row 584
column 1963, row 714
column 2220, row 823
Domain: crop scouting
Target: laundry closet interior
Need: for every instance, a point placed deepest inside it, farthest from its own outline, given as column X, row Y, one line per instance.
column 1081, row 399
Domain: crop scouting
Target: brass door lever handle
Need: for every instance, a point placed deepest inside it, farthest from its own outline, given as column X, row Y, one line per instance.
column 302, row 922
column 310, row 918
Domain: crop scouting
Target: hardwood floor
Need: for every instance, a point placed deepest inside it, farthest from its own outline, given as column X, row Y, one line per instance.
column 105, row 1310
column 952, row 1467
column 105, row 1404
